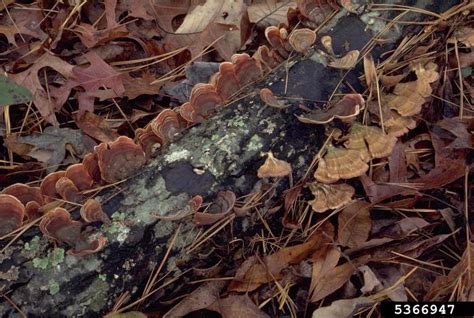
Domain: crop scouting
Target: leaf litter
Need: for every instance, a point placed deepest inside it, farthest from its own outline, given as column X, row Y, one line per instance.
column 401, row 213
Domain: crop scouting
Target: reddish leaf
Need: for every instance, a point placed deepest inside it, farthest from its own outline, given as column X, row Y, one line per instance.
column 96, row 127
column 354, row 224
column 92, row 79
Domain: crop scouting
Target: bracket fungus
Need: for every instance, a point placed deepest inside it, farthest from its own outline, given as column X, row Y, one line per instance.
column 274, row 36
column 58, row 226
column 48, row 186
column 345, row 62
column 166, row 126
column 345, row 109
column 119, row 159
column 148, row 140
column 301, row 40
column 33, row 210
column 273, row 167
column 12, row 212
column 204, row 99
column 246, row 68
column 265, row 58
column 332, row 196
column 24, row 193
column 68, row 190
column 266, row 95
column 225, row 81
column 370, row 141
column 408, row 98
column 91, row 164
column 78, row 174
column 340, row 163
column 92, row 211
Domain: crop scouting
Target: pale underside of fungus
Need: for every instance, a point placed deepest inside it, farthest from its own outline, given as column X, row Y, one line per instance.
column 273, row 167
column 330, row 196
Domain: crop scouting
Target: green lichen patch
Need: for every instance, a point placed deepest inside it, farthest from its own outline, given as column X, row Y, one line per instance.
column 53, row 259
column 53, row 287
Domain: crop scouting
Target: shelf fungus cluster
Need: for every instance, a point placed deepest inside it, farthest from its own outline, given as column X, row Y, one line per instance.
column 350, row 158
column 407, row 100
column 119, row 159
column 345, row 62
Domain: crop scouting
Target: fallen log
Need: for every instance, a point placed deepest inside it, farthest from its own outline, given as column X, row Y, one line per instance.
column 222, row 153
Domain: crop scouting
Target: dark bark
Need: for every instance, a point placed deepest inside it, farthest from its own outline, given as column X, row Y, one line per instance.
column 227, row 148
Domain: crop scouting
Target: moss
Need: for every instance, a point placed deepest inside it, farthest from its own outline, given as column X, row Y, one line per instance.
column 57, row 256
column 53, row 287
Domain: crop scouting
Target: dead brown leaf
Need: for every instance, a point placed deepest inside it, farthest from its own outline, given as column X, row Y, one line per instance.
column 354, row 224
column 96, row 127
column 270, row 12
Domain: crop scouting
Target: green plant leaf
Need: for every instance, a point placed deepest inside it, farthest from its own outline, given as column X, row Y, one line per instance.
column 11, row 93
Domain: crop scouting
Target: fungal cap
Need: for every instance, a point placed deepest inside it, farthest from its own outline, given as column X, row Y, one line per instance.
column 24, row 193
column 79, row 176
column 119, row 159
column 68, row 190
column 345, row 109
column 268, row 98
column 12, row 212
column 48, row 186
column 346, row 62
column 344, row 163
column 58, row 226
column 332, row 196
column 92, row 211
column 301, row 40
column 273, row 167
column 166, row 125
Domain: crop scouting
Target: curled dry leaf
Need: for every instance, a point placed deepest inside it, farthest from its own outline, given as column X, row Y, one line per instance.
column 120, row 159
column 254, row 273
column 340, row 163
column 346, row 62
column 266, row 95
column 343, row 308
column 273, row 167
column 12, row 212
column 330, row 196
column 345, row 109
column 219, row 209
column 354, row 224
column 301, row 40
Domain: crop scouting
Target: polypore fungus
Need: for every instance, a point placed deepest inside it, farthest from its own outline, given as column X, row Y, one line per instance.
column 92, row 211
column 12, row 212
column 246, row 68
column 265, row 58
column 332, row 196
column 58, row 227
column 345, row 109
column 24, row 193
column 370, row 141
column 148, row 140
column 346, row 62
column 273, row 167
column 225, row 81
column 48, row 186
column 301, row 40
column 274, row 37
column 204, row 99
column 326, row 41
column 79, row 175
column 33, row 210
column 68, row 190
column 340, row 163
column 91, row 164
column 166, row 126
column 268, row 98
column 119, row 159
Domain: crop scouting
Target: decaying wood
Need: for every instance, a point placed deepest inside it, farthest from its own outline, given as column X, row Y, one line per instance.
column 223, row 153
